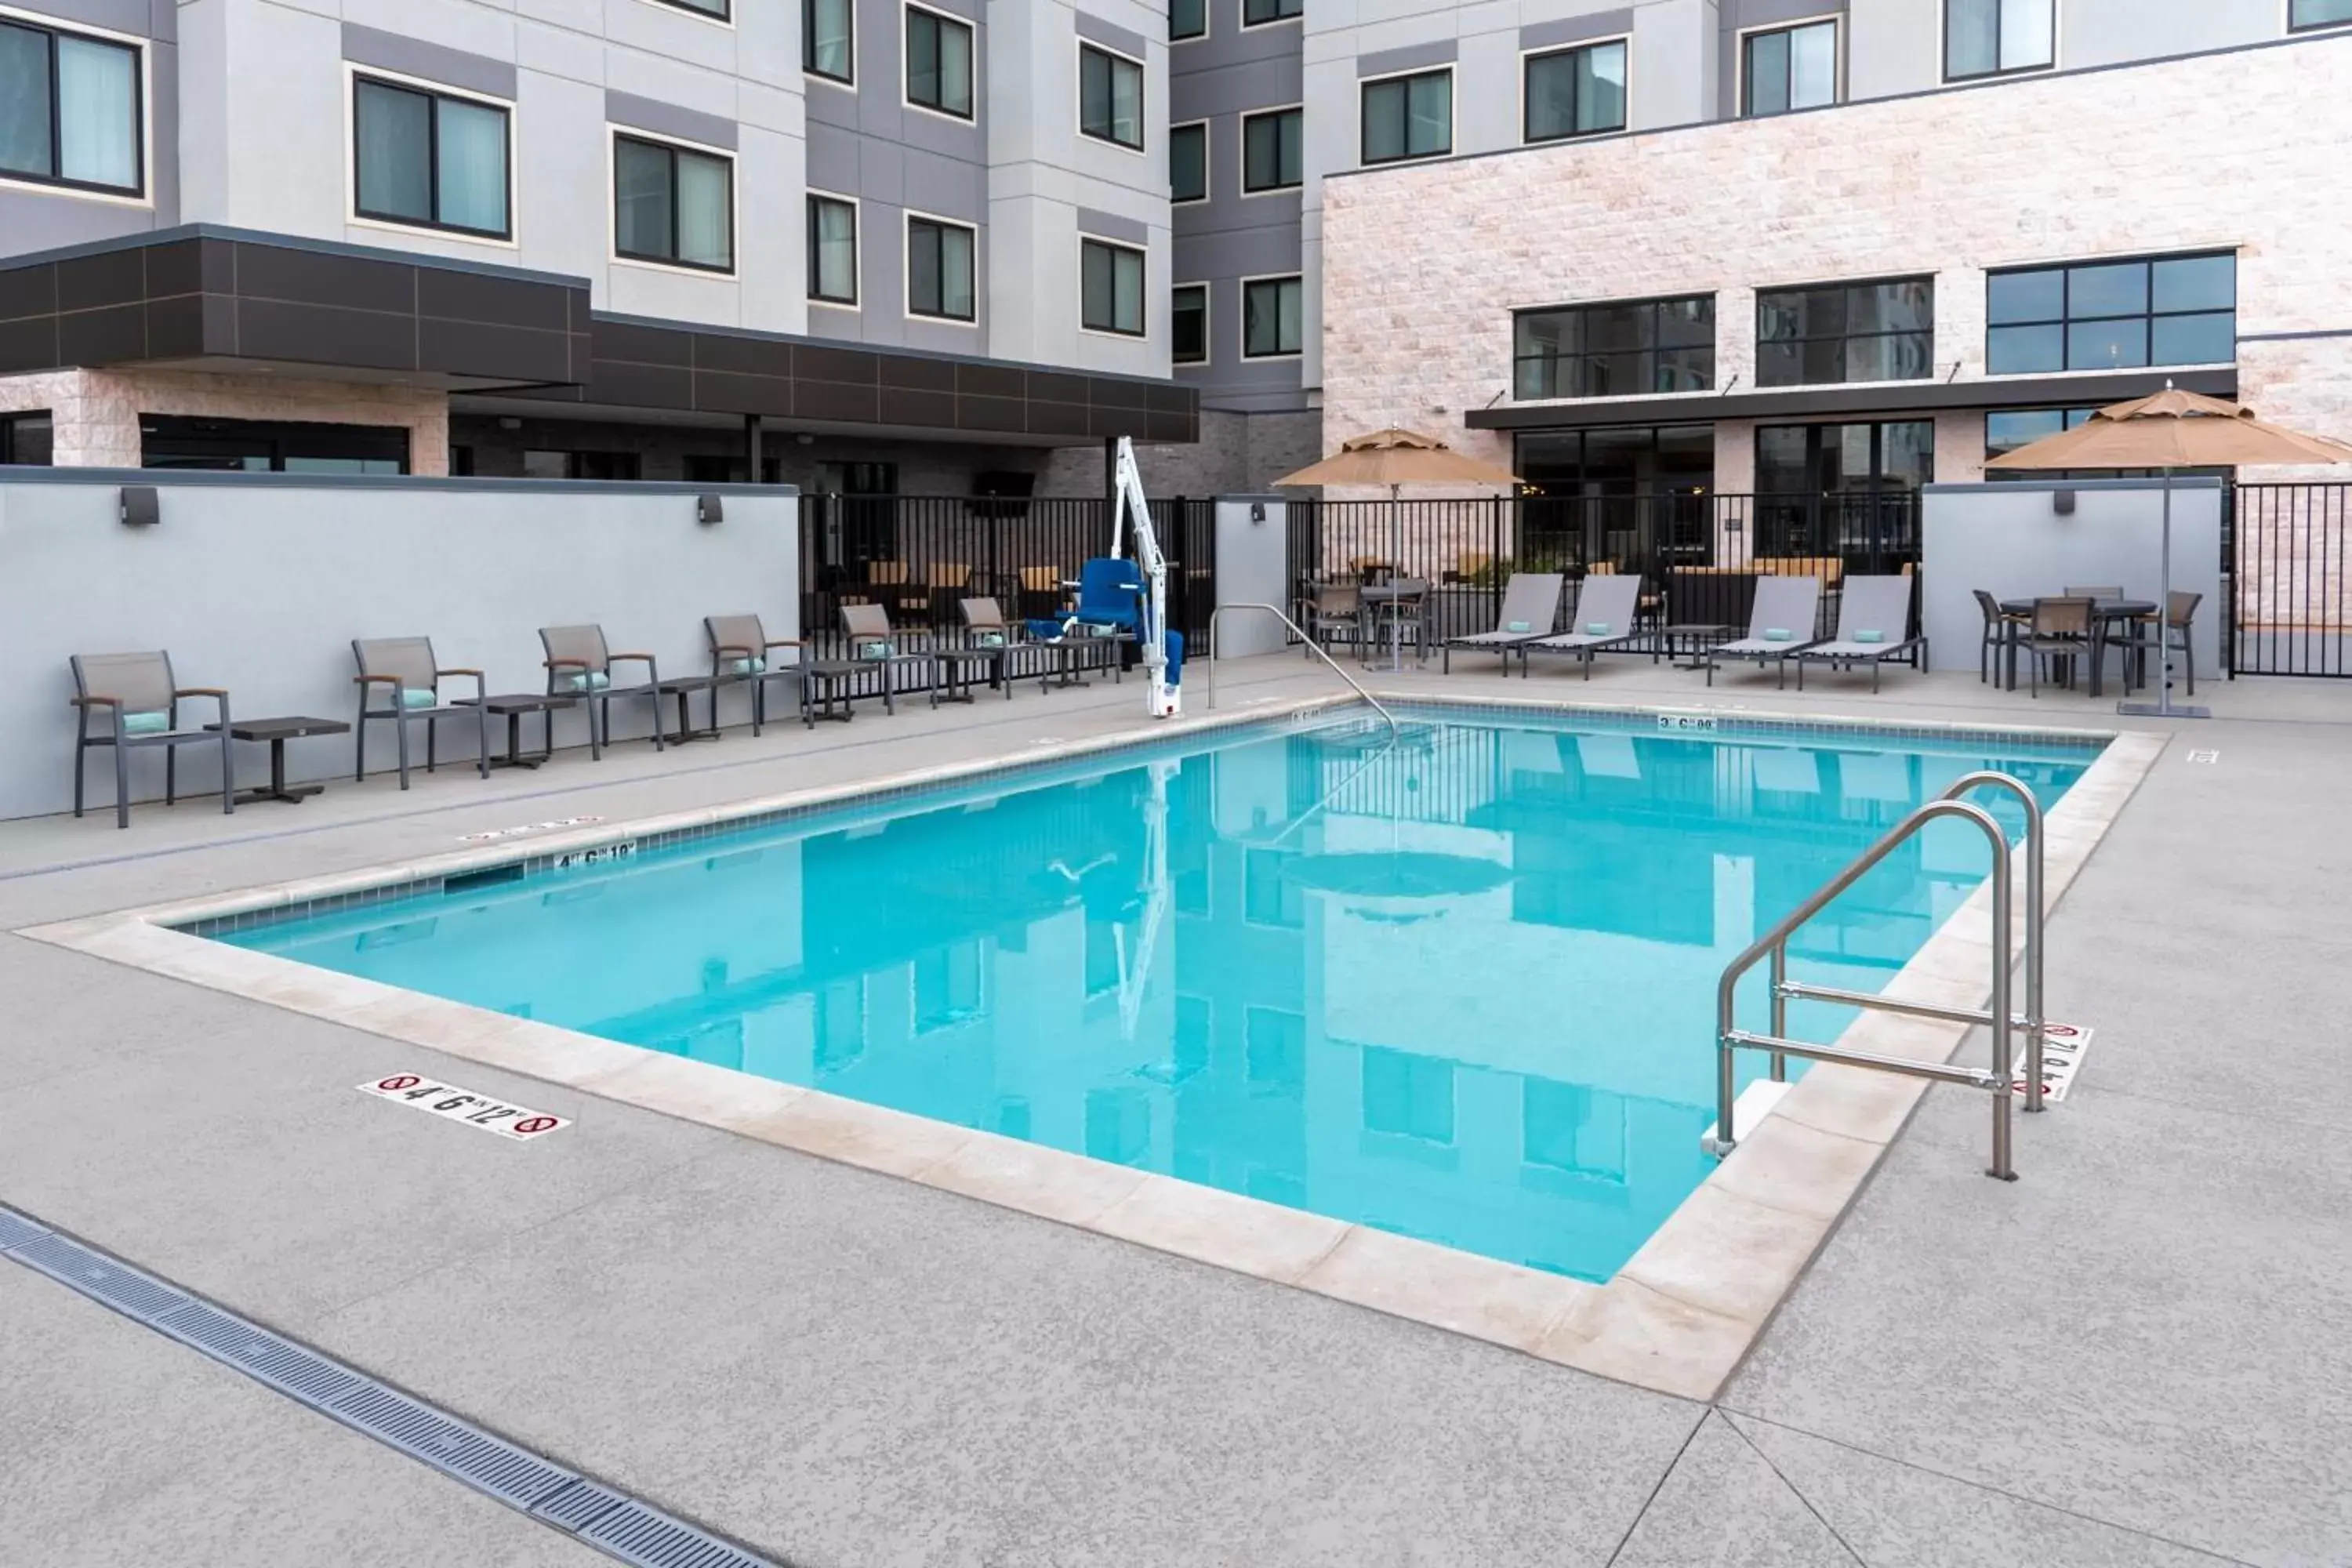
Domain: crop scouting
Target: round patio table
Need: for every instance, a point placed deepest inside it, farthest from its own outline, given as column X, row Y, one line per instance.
column 2104, row 613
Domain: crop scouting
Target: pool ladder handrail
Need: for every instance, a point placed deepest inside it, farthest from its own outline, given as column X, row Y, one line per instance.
column 2001, row 1077
column 1312, row 646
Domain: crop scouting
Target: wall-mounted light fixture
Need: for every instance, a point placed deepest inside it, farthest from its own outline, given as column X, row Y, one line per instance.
column 708, row 510
column 142, row 506
column 2063, row 502
column 1257, row 512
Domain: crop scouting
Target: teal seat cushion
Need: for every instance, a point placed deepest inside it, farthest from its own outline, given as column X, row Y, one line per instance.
column 146, row 723
column 1596, row 628
column 587, row 680
column 875, row 648
column 1520, row 627
column 747, row 666
column 1870, row 637
column 1778, row 634
column 417, row 697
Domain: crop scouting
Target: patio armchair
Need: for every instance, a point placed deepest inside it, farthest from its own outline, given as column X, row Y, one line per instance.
column 400, row 679
column 1039, row 595
column 1999, row 627
column 2178, row 630
column 129, row 701
column 1781, row 625
column 742, row 651
column 1608, row 605
column 580, row 664
column 1874, row 628
column 1531, row 609
column 875, row 643
column 2060, row 634
column 1328, row 610
column 988, row 634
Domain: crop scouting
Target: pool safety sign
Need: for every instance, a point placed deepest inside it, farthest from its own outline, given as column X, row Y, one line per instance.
column 446, row 1100
column 1701, row 721
column 603, row 855
column 2063, row 1047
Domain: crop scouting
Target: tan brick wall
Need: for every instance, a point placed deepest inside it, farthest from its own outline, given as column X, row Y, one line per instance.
column 96, row 413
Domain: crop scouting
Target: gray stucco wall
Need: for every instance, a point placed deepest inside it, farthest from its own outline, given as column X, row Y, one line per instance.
column 34, row 218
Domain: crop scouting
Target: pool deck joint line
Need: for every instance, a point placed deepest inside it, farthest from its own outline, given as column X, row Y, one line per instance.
column 1678, row 1318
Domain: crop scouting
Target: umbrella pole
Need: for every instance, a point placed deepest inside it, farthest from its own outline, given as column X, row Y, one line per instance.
column 1396, row 581
column 2162, row 707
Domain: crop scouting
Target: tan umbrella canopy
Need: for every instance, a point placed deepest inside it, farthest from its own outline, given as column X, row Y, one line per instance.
column 2173, row 429
column 1396, row 458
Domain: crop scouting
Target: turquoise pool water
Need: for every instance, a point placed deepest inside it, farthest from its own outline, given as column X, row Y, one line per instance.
column 1459, row 987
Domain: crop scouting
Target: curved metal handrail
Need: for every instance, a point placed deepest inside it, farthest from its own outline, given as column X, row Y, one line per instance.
column 1312, row 646
column 2035, row 916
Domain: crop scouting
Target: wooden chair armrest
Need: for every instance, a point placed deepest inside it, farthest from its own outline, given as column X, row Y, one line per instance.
column 565, row 663
column 375, row 680
column 200, row 692
column 641, row 657
column 95, row 701
column 739, row 650
column 783, row 642
column 474, row 673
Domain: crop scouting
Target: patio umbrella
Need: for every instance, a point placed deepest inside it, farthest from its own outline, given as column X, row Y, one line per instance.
column 1397, row 457
column 2173, row 429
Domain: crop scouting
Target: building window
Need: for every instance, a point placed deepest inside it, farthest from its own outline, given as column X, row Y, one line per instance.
column 1789, row 68
column 673, row 205
column 1994, row 37
column 1846, row 331
column 1110, row 97
column 716, row 9
column 70, row 110
column 1188, row 324
column 1639, row 346
column 1258, row 13
column 1273, row 317
column 1575, row 92
column 1273, row 157
column 265, row 447
column 2113, row 315
column 1408, row 117
column 938, row 63
column 832, row 250
column 940, row 270
column 430, row 160
column 2302, row 14
column 1188, row 162
column 605, row 466
column 1844, row 460
column 28, row 439
column 1187, row 19
column 829, row 40
column 1110, row 289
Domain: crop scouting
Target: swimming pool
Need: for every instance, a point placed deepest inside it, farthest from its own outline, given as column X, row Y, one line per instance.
column 1457, row 987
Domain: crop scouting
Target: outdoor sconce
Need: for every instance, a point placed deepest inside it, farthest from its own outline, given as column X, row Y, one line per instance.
column 707, row 509
column 1257, row 512
column 142, row 506
column 2063, row 502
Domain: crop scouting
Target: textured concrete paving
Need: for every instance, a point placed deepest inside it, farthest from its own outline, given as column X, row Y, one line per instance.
column 2136, row 1355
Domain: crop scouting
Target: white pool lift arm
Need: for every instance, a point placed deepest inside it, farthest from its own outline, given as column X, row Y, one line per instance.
column 1162, row 698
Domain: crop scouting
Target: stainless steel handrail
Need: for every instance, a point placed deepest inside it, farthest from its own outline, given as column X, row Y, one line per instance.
column 2036, row 915
column 1312, row 646
column 1774, row 943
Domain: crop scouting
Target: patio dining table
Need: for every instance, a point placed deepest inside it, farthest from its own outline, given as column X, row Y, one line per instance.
column 2105, row 613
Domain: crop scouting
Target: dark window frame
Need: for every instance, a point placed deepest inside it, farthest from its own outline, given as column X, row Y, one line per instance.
column 1944, row 47
column 1176, row 38
column 1748, row 41
column 734, row 246
column 15, row 448
column 941, row 225
column 939, row 21
column 1175, row 355
column 1277, row 12
column 1404, row 80
column 1142, row 287
column 1298, row 111
column 2292, row 6
column 1527, row 63
column 139, row 112
column 1112, row 59
column 808, row 45
column 433, row 97
column 725, row 12
column 815, row 199
column 1274, row 281
column 1208, row 177
column 1649, row 351
column 2065, row 321
column 1845, row 336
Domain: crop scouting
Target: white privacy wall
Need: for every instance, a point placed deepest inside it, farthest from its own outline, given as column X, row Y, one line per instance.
column 259, row 582
column 1252, row 566
column 2010, row 540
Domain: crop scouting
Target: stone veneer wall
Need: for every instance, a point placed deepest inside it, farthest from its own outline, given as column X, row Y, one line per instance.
column 95, row 412
column 1424, row 265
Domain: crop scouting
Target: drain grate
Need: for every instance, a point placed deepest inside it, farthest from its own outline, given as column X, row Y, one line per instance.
column 613, row 1521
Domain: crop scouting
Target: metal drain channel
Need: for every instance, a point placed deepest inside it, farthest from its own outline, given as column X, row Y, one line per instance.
column 611, row 1522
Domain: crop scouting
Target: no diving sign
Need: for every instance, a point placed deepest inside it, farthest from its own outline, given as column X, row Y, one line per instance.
column 511, row 1122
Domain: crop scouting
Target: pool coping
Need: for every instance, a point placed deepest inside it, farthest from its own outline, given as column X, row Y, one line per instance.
column 1677, row 1317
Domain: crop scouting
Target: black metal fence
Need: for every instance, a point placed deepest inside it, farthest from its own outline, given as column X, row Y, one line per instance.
column 2289, row 557
column 1701, row 554
column 920, row 557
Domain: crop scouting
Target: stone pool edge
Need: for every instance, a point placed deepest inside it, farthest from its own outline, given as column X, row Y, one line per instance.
column 1678, row 1318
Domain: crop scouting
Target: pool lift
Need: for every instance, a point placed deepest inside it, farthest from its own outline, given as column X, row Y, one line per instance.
column 1119, row 597
column 1135, row 968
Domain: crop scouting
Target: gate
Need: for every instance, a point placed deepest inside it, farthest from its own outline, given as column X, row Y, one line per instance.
column 2290, row 580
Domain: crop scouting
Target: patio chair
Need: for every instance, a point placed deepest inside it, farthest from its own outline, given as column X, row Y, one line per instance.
column 1781, row 625
column 1531, row 609
column 1874, row 628
column 1999, row 624
column 1606, row 608
column 2179, row 630
column 1328, row 610
column 1039, row 595
column 988, row 634
column 580, row 664
column 402, row 673
column 2096, row 591
column 2060, row 630
column 130, row 699
column 875, row 643
column 742, row 651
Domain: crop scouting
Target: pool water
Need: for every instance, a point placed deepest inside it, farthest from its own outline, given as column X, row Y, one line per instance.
column 1458, row 986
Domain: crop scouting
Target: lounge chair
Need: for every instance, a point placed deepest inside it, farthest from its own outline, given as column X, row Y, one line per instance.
column 875, row 643
column 1531, row 610
column 580, row 664
column 1782, row 623
column 1874, row 627
column 741, row 649
column 405, row 676
column 130, row 699
column 1606, row 605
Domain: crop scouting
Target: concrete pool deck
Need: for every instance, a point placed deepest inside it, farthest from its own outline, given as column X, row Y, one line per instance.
column 2125, row 1357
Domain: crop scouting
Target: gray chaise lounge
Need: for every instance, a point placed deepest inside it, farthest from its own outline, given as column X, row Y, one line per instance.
column 1531, row 610
column 1874, row 628
column 130, row 699
column 410, row 679
column 1606, row 605
column 1787, row 611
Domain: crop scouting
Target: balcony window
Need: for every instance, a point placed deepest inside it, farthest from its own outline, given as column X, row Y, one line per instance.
column 1789, row 68
column 829, row 40
column 70, row 110
column 1272, row 154
column 2113, row 315
column 1188, row 162
column 832, row 250
column 1408, row 117
column 1187, row 19
column 1274, row 313
column 1846, row 331
column 430, row 160
column 1576, row 92
column 1110, row 289
column 940, row 270
column 1258, row 13
column 716, row 9
column 1996, row 37
column 673, row 205
column 1188, row 333
column 1626, row 348
column 938, row 63
column 2303, row 15
column 1110, row 97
